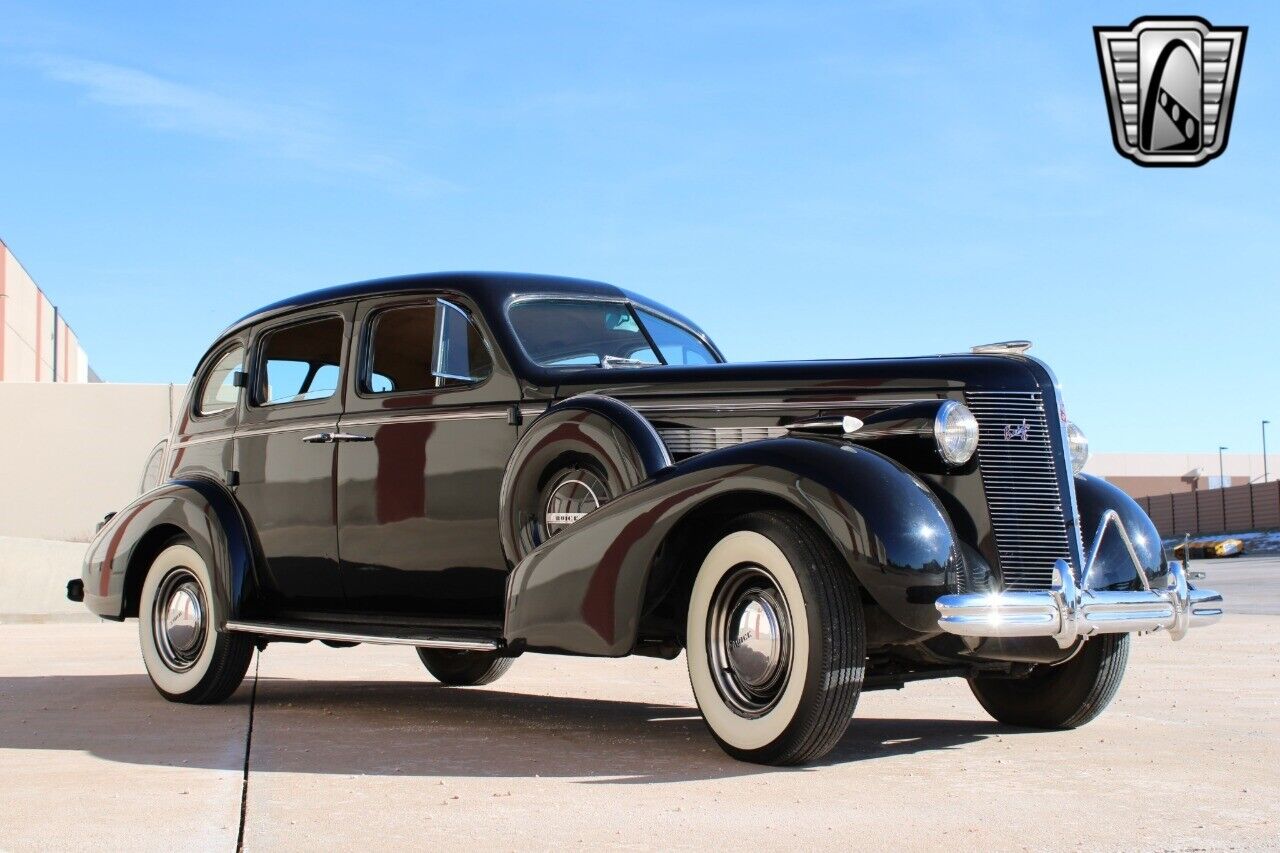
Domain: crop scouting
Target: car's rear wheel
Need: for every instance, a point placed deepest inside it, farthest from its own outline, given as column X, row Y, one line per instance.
column 775, row 640
column 187, row 658
column 1059, row 697
column 458, row 668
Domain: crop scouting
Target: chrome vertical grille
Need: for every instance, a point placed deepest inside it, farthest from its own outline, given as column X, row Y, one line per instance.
column 1019, row 475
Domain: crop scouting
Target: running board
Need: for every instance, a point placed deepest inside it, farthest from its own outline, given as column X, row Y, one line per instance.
column 302, row 632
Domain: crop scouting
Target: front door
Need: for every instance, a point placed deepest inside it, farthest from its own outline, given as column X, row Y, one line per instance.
column 429, row 430
column 285, row 457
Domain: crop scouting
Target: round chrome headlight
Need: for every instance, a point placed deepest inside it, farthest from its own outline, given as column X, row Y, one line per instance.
column 1078, row 447
column 956, row 431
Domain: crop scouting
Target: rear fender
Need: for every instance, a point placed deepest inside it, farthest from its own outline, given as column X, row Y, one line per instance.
column 583, row 591
column 203, row 511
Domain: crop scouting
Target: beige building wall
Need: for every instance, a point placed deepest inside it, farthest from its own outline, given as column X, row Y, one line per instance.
column 72, row 452
column 1143, row 474
column 30, row 345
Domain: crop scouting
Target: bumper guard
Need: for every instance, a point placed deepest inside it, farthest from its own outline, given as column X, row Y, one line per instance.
column 1067, row 611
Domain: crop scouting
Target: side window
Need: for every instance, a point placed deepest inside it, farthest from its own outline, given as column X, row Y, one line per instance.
column 420, row 347
column 301, row 363
column 219, row 393
column 677, row 345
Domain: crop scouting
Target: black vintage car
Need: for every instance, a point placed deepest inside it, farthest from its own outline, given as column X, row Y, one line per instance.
column 482, row 465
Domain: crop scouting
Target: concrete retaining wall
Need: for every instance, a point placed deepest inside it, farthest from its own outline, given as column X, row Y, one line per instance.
column 71, row 452
column 33, row 580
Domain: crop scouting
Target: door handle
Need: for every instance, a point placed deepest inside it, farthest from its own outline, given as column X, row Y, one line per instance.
column 318, row 438
column 349, row 436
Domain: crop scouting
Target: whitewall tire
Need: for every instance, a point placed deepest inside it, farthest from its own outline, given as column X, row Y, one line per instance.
column 187, row 658
column 775, row 640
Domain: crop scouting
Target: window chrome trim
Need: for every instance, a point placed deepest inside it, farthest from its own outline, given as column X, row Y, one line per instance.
column 364, row 352
column 257, row 372
column 631, row 304
column 199, row 385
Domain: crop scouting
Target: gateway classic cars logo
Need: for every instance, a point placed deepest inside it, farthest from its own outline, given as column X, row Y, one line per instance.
column 1170, row 86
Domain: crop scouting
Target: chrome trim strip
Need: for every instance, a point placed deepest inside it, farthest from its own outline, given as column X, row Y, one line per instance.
column 290, row 426
column 272, row 629
column 770, row 406
column 363, row 418
column 204, row 438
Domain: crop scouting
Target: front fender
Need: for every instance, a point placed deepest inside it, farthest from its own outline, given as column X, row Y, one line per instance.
column 202, row 510
column 582, row 592
column 1113, row 568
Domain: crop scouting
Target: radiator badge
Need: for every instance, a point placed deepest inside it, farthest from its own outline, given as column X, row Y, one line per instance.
column 1170, row 85
column 1019, row 432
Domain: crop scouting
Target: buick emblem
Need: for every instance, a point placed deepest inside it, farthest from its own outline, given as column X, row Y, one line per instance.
column 1171, row 86
column 572, row 497
column 1017, row 432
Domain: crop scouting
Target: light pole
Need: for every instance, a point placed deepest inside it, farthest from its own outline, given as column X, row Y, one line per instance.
column 1264, row 450
column 1222, row 480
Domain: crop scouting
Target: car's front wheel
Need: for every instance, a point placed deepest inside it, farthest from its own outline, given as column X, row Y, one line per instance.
column 1059, row 697
column 188, row 659
column 775, row 640
column 458, row 668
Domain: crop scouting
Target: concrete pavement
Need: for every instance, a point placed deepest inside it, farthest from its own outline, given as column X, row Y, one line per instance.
column 1250, row 584
column 358, row 749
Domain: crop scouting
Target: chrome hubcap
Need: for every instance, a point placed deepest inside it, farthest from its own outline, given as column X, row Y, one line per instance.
column 570, row 498
column 755, row 640
column 178, row 620
column 749, row 641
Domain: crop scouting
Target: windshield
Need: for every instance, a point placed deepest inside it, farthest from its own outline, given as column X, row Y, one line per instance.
column 599, row 333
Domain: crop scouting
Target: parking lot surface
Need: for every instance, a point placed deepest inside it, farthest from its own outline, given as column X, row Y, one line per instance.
column 359, row 749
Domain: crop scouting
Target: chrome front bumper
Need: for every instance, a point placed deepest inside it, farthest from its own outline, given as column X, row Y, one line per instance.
column 1066, row 611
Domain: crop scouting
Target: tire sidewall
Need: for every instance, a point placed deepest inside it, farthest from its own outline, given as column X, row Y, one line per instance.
column 177, row 685
column 751, row 737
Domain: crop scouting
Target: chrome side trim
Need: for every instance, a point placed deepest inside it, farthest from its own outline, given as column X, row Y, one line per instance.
column 206, row 437
column 273, row 629
column 287, row 426
column 751, row 406
column 402, row 418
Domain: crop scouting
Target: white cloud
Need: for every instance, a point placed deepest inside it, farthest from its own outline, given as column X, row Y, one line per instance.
column 269, row 130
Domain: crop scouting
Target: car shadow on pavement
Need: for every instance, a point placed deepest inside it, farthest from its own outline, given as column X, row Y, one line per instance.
column 412, row 729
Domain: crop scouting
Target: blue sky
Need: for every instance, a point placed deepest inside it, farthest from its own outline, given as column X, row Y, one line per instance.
column 807, row 180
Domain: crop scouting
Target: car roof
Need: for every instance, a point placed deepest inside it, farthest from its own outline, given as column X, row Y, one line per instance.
column 484, row 288
column 489, row 291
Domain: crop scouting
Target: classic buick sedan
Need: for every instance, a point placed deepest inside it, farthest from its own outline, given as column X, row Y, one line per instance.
column 481, row 465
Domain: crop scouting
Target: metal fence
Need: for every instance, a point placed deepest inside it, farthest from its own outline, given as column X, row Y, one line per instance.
column 1235, row 509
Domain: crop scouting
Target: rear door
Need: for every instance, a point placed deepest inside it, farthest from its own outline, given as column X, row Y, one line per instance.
column 428, row 433
column 285, row 456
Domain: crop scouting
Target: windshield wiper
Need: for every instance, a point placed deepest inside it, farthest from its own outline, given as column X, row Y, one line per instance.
column 612, row 361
